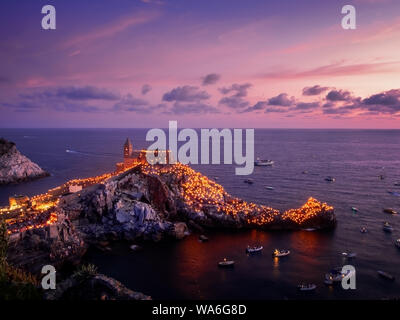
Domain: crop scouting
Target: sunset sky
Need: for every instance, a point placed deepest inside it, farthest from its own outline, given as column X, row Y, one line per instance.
column 205, row 63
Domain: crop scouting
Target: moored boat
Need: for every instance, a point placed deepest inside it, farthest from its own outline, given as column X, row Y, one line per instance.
column 335, row 276
column 254, row 249
column 387, row 227
column 363, row 230
column 307, row 287
column 354, row 209
column 203, row 238
column 269, row 188
column 226, row 263
column 349, row 255
column 263, row 163
column 280, row 253
column 389, row 211
column 309, row 229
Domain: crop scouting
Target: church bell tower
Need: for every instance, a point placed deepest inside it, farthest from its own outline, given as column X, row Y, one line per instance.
column 128, row 149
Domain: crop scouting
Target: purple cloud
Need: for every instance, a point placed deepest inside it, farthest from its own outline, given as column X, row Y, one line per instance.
column 210, row 79
column 338, row 95
column 146, row 89
column 282, row 100
column 314, row 91
column 186, row 94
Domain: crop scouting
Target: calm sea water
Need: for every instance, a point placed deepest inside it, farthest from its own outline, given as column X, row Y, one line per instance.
column 187, row 269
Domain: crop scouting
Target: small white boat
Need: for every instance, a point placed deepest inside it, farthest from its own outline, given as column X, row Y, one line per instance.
column 226, row 263
column 309, row 229
column 254, row 249
column 263, row 163
column 135, row 247
column 363, row 230
column 387, row 227
column 330, row 179
column 397, row 243
column 203, row 238
column 386, row 275
column 389, row 211
column 349, row 255
column 280, row 253
column 269, row 188
column 307, row 287
column 354, row 209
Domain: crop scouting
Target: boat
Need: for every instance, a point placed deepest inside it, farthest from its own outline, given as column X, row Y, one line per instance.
column 386, row 275
column 354, row 209
column 389, row 211
column 330, row 179
column 387, row 227
column 335, row 275
column 397, row 243
column 270, row 188
column 280, row 253
column 363, row 230
column 249, row 181
column 349, row 255
column 309, row 229
column 397, row 184
column 263, row 163
column 307, row 287
column 254, row 249
column 203, row 238
column 226, row 263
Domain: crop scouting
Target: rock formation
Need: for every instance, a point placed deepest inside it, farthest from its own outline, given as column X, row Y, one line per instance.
column 15, row 167
column 94, row 287
column 156, row 202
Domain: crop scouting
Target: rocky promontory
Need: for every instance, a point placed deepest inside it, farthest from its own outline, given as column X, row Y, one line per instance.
column 157, row 202
column 15, row 167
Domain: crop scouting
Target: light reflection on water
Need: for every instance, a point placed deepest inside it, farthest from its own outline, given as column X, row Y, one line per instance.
column 188, row 269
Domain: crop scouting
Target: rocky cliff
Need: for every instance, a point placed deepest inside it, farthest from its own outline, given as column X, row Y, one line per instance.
column 15, row 167
column 156, row 202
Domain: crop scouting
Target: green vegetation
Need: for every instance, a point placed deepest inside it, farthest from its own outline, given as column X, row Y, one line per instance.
column 15, row 284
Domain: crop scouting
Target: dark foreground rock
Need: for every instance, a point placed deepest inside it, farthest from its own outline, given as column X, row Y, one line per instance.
column 96, row 287
column 15, row 167
column 53, row 244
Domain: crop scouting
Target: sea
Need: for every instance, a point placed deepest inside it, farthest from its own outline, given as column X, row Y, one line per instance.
column 365, row 164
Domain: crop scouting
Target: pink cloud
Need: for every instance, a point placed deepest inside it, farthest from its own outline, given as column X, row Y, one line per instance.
column 335, row 70
column 113, row 28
